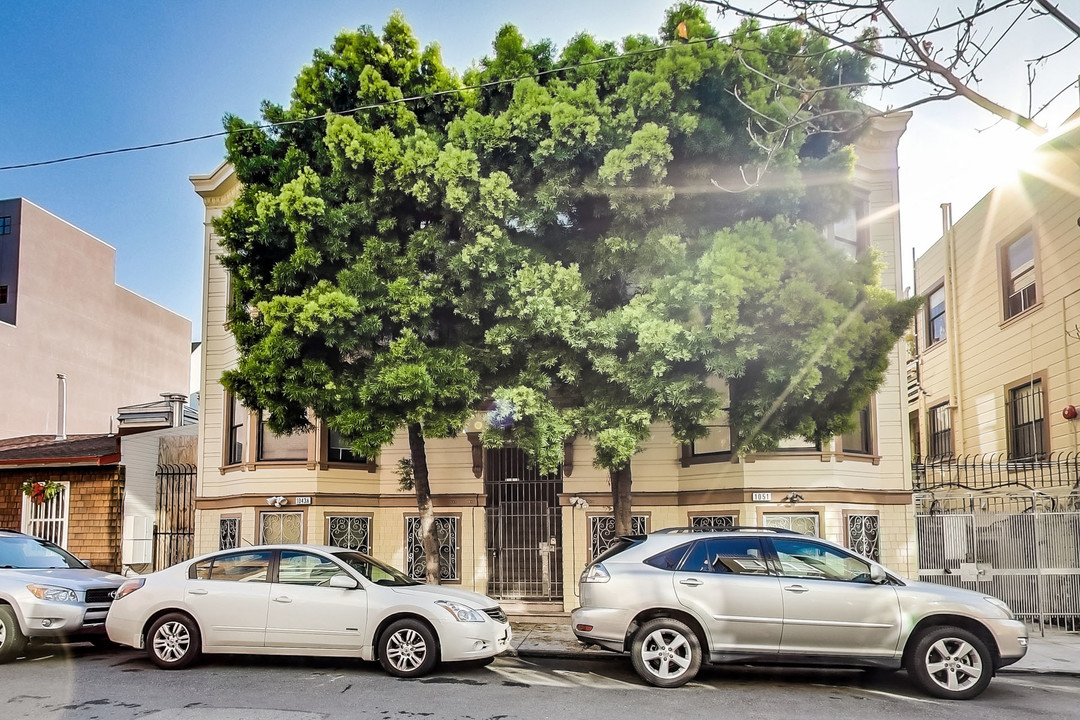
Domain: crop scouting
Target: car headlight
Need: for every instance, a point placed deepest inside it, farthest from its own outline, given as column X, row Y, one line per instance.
column 461, row 613
column 595, row 574
column 51, row 592
column 1000, row 604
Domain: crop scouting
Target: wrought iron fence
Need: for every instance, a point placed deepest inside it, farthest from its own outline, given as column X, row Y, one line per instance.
column 174, row 531
column 1021, row 547
column 995, row 471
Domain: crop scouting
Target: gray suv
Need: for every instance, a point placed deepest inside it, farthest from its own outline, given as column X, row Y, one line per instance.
column 45, row 592
column 678, row 597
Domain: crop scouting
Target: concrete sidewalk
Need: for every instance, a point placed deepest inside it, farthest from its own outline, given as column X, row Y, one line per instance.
column 1055, row 653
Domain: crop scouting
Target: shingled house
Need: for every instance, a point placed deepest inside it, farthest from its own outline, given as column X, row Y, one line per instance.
column 78, row 502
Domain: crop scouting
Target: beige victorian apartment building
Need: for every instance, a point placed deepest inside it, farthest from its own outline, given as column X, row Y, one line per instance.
column 998, row 356
column 519, row 537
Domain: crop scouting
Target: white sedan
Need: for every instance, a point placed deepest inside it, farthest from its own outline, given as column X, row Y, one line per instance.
column 303, row 600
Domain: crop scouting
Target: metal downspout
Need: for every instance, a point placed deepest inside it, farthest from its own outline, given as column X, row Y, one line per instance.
column 952, row 329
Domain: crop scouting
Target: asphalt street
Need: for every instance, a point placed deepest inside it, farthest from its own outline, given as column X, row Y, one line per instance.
column 79, row 681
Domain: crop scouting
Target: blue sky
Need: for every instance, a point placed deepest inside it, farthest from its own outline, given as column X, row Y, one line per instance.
column 78, row 77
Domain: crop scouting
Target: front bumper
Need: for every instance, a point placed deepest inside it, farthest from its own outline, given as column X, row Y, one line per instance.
column 47, row 619
column 1011, row 637
column 473, row 641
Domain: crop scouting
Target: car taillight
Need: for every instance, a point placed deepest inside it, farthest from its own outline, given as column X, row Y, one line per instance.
column 129, row 587
column 595, row 574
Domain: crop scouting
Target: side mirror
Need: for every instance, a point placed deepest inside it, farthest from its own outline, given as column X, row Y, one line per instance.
column 877, row 575
column 87, row 563
column 345, row 582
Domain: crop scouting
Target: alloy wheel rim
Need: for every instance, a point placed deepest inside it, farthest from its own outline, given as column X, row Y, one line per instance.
column 406, row 650
column 666, row 653
column 3, row 633
column 172, row 641
column 953, row 664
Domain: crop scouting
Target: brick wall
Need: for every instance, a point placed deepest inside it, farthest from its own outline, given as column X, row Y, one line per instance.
column 95, row 509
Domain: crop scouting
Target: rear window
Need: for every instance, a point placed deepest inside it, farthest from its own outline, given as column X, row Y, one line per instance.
column 669, row 559
column 618, row 545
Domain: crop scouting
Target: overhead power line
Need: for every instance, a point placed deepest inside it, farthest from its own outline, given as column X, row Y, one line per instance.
column 372, row 106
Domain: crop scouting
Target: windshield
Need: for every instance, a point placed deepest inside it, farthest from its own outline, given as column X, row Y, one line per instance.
column 30, row 553
column 374, row 570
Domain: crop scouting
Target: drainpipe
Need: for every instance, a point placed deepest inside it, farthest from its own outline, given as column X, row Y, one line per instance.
column 952, row 328
column 61, row 406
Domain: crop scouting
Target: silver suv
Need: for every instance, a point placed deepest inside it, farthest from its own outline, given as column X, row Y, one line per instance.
column 677, row 597
column 45, row 592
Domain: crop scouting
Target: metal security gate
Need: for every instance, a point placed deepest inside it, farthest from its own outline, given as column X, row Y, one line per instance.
column 524, row 528
column 1021, row 547
column 174, row 528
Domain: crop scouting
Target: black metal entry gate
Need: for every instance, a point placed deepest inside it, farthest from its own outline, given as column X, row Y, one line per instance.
column 524, row 528
column 174, row 526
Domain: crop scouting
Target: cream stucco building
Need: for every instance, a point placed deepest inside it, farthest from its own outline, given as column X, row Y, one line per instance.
column 520, row 537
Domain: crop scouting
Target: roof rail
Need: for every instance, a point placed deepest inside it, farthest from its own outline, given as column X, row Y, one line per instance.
column 733, row 528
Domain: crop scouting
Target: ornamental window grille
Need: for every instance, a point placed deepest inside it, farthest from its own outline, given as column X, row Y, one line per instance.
column 602, row 531
column 712, row 522
column 282, row 527
column 228, row 533
column 349, row 531
column 48, row 519
column 805, row 523
column 863, row 535
column 446, row 538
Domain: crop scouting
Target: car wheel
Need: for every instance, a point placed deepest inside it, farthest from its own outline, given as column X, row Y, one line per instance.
column 12, row 640
column 950, row 663
column 666, row 653
column 174, row 641
column 407, row 649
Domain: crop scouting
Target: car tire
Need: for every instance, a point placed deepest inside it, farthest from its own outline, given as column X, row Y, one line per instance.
column 407, row 649
column 666, row 653
column 12, row 640
column 950, row 663
column 174, row 641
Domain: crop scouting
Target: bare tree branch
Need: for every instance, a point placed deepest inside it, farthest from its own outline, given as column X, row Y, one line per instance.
column 945, row 53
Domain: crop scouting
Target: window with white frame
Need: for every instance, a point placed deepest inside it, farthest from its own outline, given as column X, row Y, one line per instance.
column 805, row 523
column 45, row 513
column 281, row 527
column 935, row 317
column 1018, row 266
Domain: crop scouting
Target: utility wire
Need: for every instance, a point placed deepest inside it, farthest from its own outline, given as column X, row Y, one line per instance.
column 373, row 106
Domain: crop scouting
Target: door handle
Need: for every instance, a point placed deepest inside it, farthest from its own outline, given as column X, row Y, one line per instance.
column 796, row 589
column 692, row 582
column 283, row 599
column 200, row 591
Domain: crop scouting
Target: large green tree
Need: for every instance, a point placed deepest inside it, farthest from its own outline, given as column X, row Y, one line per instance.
column 337, row 248
column 624, row 175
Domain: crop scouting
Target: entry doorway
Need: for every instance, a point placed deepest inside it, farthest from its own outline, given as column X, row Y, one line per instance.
column 524, row 529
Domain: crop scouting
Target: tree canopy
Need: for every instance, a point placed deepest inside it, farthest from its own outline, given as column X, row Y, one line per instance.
column 578, row 243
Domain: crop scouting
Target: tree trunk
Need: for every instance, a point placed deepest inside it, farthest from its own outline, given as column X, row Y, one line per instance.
column 423, row 502
column 621, row 501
